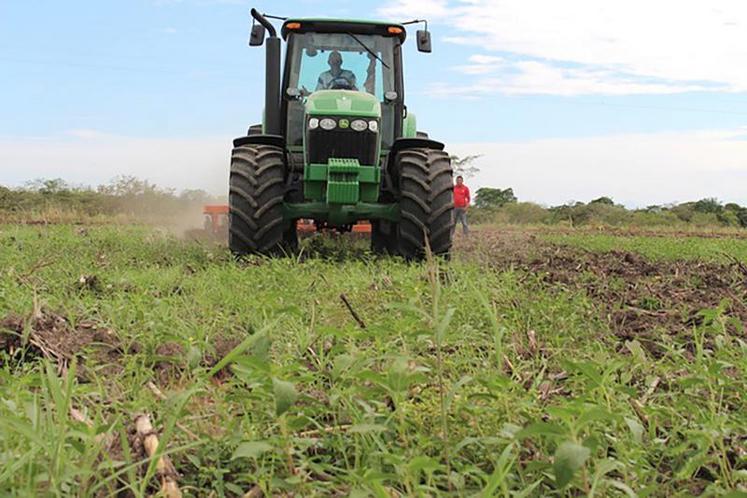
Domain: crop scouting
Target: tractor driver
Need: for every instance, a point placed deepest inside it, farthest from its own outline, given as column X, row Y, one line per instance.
column 336, row 77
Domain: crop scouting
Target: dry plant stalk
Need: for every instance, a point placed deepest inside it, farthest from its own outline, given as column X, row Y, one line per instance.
column 159, row 394
column 355, row 315
column 255, row 492
column 104, row 438
column 324, row 430
column 164, row 468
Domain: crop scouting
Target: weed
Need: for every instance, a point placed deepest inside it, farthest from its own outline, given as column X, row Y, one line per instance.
column 499, row 373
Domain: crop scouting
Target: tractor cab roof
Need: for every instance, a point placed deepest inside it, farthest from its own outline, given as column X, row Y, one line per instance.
column 356, row 26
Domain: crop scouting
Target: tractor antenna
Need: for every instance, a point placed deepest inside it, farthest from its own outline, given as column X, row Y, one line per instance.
column 275, row 17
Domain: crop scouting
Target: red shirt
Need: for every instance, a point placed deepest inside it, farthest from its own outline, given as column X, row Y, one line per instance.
column 461, row 196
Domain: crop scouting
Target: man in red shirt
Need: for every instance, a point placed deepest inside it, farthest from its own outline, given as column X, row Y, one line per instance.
column 461, row 203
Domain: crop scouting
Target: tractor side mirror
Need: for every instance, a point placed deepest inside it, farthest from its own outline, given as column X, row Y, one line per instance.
column 257, row 37
column 424, row 41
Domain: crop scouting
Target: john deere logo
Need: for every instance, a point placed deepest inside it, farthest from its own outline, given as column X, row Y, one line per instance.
column 344, row 123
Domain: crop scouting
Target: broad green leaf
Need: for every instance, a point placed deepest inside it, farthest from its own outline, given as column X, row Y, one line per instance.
column 636, row 428
column 592, row 414
column 509, row 430
column 285, row 395
column 632, row 494
column 569, row 457
column 194, row 356
column 588, row 369
column 466, row 379
column 466, row 442
column 423, row 463
column 234, row 488
column 502, row 467
column 232, row 355
column 253, row 449
column 541, row 429
column 444, row 324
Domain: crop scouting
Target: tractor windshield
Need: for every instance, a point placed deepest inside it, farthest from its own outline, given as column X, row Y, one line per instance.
column 324, row 61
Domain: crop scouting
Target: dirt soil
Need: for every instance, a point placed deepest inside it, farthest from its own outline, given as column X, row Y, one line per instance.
column 701, row 233
column 52, row 336
column 641, row 299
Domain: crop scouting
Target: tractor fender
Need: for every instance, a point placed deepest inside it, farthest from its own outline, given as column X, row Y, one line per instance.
column 260, row 139
column 411, row 143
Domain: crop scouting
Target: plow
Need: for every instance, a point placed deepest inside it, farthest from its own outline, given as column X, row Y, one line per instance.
column 216, row 222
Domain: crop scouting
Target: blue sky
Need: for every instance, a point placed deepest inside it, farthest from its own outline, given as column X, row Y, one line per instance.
column 533, row 86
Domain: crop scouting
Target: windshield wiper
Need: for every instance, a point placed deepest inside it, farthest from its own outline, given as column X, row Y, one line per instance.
column 368, row 50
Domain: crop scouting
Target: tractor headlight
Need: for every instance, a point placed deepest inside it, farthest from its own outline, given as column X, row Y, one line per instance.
column 313, row 123
column 328, row 124
column 373, row 126
column 359, row 125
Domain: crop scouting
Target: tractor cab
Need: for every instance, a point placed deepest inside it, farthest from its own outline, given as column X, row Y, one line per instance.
column 336, row 145
column 363, row 59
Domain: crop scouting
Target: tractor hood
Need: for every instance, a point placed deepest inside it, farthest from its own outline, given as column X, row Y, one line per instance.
column 343, row 103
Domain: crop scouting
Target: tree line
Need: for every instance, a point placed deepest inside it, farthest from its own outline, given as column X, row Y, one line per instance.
column 498, row 205
column 502, row 205
column 123, row 195
column 131, row 196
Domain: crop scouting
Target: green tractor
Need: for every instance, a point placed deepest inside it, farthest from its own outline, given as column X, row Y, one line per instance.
column 337, row 144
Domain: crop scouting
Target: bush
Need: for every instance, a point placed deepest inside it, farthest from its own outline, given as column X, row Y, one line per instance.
column 603, row 212
column 127, row 196
column 526, row 213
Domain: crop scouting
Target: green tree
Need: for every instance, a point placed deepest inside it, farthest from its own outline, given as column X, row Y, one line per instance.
column 464, row 166
column 603, row 200
column 708, row 206
column 195, row 196
column 487, row 197
column 48, row 185
column 739, row 212
column 130, row 186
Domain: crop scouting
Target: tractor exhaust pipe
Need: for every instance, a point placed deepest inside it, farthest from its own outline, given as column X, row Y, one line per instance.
column 272, row 77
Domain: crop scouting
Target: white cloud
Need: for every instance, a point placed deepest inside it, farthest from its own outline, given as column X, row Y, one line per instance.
column 486, row 60
column 86, row 134
column 482, row 64
column 535, row 78
column 412, row 9
column 685, row 43
column 637, row 169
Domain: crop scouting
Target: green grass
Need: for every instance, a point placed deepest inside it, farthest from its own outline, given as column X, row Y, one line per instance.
column 444, row 393
column 661, row 248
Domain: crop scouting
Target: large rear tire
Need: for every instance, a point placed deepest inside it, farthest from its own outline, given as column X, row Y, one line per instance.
column 426, row 202
column 256, row 191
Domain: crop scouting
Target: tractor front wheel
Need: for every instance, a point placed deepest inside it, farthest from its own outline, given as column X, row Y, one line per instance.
column 426, row 203
column 256, row 191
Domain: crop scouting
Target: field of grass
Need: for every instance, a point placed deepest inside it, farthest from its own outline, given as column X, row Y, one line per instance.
column 523, row 367
column 721, row 248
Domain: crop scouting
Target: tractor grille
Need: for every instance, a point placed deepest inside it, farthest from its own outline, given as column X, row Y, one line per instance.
column 342, row 144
